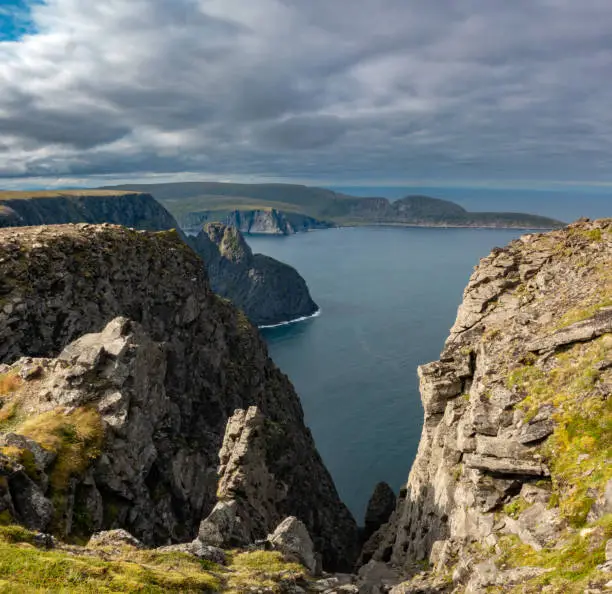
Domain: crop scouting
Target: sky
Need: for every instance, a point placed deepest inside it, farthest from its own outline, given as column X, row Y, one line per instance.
column 327, row 92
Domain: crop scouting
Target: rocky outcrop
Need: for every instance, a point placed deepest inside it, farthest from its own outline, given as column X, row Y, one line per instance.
column 264, row 221
column 379, row 510
column 509, row 484
column 268, row 291
column 124, row 367
column 292, row 539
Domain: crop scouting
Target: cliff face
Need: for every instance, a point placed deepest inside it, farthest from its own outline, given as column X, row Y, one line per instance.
column 258, row 221
column 269, row 291
column 326, row 205
column 131, row 209
column 123, row 371
column 266, row 290
column 511, row 489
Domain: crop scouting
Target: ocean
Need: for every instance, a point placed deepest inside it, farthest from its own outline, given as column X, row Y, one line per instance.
column 388, row 298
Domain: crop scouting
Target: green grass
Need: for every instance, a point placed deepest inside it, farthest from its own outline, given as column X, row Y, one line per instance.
column 583, row 423
column 583, row 313
column 260, row 569
column 572, row 565
column 516, row 507
column 9, row 412
column 26, row 569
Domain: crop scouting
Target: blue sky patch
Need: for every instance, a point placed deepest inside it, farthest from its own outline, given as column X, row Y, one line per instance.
column 15, row 19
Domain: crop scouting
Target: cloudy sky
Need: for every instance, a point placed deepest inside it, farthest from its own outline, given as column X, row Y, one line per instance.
column 335, row 91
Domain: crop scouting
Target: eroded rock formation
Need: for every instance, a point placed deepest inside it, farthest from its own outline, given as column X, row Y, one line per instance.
column 511, row 486
column 122, row 371
column 267, row 290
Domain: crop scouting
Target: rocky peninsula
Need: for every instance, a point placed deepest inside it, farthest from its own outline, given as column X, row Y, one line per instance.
column 267, row 290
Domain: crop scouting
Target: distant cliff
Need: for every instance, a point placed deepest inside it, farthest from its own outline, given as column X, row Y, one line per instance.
column 336, row 209
column 511, row 489
column 424, row 211
column 125, row 381
column 131, row 209
column 268, row 291
column 258, row 221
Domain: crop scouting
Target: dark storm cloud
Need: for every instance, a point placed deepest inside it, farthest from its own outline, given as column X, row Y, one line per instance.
column 308, row 132
column 346, row 90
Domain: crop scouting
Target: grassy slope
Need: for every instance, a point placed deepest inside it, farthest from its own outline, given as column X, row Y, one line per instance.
column 26, row 569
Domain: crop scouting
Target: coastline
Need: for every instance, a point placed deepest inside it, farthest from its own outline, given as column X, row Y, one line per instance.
column 316, row 314
column 406, row 226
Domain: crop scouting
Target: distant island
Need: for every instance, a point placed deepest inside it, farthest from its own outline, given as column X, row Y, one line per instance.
column 286, row 208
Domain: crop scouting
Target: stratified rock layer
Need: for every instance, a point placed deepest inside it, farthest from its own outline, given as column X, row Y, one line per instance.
column 515, row 450
column 264, row 221
column 267, row 290
column 131, row 337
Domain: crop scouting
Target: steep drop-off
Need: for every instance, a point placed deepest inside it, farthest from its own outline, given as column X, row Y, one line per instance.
column 131, row 209
column 511, row 490
column 259, row 221
column 124, row 371
column 267, row 290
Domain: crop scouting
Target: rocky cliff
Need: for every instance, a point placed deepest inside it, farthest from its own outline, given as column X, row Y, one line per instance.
column 268, row 221
column 511, row 490
column 132, row 209
column 267, row 290
column 333, row 207
column 122, row 371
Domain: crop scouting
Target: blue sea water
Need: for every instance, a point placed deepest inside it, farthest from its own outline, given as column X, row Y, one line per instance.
column 388, row 297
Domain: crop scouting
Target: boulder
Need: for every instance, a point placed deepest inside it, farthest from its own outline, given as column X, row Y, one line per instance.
column 292, row 539
column 223, row 527
column 506, row 465
column 32, row 508
column 538, row 526
column 114, row 538
column 198, row 549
